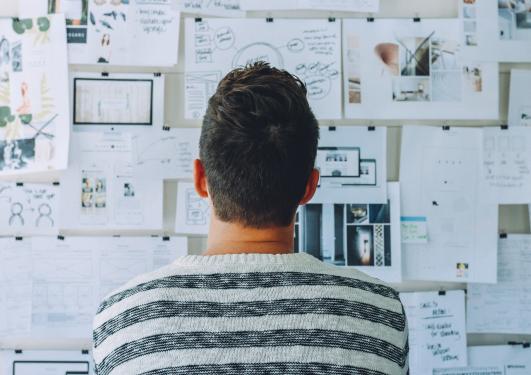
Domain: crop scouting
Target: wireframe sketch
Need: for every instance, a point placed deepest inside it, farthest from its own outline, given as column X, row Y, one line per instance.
column 113, row 101
column 308, row 49
column 197, row 209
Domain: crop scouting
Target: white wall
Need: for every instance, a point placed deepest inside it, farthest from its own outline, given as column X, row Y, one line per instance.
column 513, row 219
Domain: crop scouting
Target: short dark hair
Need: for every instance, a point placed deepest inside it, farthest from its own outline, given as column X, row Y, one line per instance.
column 258, row 146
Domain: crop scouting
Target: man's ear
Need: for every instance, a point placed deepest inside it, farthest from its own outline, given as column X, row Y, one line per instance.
column 200, row 181
column 311, row 187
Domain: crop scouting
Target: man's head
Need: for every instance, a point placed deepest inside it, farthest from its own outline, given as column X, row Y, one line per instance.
column 257, row 148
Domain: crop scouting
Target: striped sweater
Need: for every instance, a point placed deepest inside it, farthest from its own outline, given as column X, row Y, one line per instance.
column 251, row 314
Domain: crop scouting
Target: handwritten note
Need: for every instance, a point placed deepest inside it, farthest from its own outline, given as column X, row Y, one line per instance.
column 437, row 333
column 222, row 8
column 414, row 229
column 309, row 48
column 507, row 164
column 504, row 307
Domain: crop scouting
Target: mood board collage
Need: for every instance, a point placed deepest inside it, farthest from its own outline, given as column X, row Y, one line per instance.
column 86, row 150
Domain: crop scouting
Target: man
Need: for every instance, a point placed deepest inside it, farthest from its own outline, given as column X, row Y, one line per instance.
column 249, row 305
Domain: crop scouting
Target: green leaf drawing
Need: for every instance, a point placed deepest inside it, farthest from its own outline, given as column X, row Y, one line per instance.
column 43, row 23
column 5, row 116
column 47, row 101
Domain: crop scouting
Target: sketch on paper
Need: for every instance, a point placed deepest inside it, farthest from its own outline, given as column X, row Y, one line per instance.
column 101, row 189
column 120, row 32
column 309, row 49
column 442, row 169
column 352, row 162
column 421, row 70
column 34, row 124
column 366, row 236
column 166, row 154
column 193, row 212
column 113, row 101
column 125, row 102
column 28, row 208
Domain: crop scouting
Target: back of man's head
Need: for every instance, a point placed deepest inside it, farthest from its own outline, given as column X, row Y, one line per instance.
column 258, row 146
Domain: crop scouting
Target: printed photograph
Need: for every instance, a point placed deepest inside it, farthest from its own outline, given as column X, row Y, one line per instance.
column 16, row 154
column 354, row 69
column 93, row 192
column 473, row 78
column 514, row 19
column 345, row 234
column 360, row 243
column 411, row 89
column 415, row 56
column 129, row 190
column 75, row 11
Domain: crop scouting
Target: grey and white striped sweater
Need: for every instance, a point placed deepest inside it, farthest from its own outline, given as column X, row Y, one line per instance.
column 251, row 314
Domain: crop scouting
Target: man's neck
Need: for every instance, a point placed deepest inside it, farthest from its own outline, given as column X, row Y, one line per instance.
column 231, row 238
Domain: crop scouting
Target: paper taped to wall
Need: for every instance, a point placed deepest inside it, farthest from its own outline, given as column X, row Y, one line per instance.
column 504, row 307
column 360, row 235
column 352, row 161
column 34, row 123
column 310, row 49
column 437, row 332
column 441, row 168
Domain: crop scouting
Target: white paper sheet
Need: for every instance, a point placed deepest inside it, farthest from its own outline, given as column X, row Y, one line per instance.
column 28, row 209
column 440, row 175
column 353, row 165
column 496, row 30
column 46, row 362
column 166, row 154
column 507, row 165
column 336, row 5
column 519, row 100
column 310, row 49
column 64, row 287
column 34, row 125
column 221, row 8
column 192, row 212
column 15, row 286
column 470, row 370
column 101, row 190
column 506, row 306
column 123, row 258
column 364, row 236
column 418, row 70
column 437, row 334
column 52, row 286
column 513, row 359
column 131, row 32
column 119, row 101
